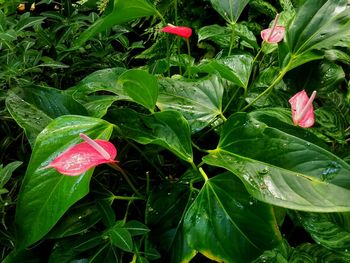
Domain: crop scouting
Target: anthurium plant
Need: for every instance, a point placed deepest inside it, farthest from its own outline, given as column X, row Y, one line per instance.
column 215, row 131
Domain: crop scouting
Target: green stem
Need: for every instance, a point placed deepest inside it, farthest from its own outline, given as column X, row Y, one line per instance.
column 203, row 174
column 126, row 198
column 230, row 101
column 276, row 81
column 198, row 148
column 189, row 57
column 222, row 117
column 126, row 177
column 175, row 11
column 232, row 38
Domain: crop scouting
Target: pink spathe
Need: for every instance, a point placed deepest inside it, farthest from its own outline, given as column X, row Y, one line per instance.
column 83, row 156
column 302, row 109
column 273, row 35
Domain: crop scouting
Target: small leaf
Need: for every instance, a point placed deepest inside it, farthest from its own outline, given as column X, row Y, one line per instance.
column 120, row 237
column 6, row 172
column 140, row 86
column 136, row 228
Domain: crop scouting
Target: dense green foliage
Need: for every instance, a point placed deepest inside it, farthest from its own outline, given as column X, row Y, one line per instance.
column 215, row 169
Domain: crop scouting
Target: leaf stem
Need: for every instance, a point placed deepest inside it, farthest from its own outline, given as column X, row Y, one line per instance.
column 269, row 88
column 189, row 57
column 203, row 174
column 232, row 38
column 118, row 168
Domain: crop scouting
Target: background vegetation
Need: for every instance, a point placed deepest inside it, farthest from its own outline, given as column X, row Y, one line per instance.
column 215, row 168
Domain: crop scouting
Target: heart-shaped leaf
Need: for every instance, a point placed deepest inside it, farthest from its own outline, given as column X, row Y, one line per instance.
column 168, row 129
column 45, row 194
column 199, row 101
column 224, row 210
column 281, row 169
column 230, row 10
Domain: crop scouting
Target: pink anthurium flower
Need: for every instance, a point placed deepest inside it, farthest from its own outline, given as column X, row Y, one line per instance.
column 83, row 156
column 181, row 31
column 274, row 34
column 302, row 109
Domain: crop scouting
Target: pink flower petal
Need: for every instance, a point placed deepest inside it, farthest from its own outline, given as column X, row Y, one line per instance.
column 302, row 109
column 81, row 157
column 276, row 36
column 181, row 31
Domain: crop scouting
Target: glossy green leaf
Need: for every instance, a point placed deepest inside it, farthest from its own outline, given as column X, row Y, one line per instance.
column 45, row 194
column 6, row 172
column 168, row 129
column 120, row 237
column 280, row 168
column 312, row 30
column 224, row 211
column 101, row 81
column 123, row 11
column 27, row 116
column 75, row 221
column 331, row 230
column 200, row 101
column 165, row 210
column 141, row 87
column 236, row 68
column 230, row 10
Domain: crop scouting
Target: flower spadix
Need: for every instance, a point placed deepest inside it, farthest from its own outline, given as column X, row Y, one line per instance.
column 181, row 31
column 302, row 109
column 274, row 34
column 83, row 156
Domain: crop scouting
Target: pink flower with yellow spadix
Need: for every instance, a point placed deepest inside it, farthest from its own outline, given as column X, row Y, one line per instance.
column 181, row 31
column 83, row 156
column 274, row 34
column 302, row 109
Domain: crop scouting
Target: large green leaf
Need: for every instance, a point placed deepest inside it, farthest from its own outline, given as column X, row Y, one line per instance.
column 123, row 11
column 199, row 101
column 230, row 10
column 140, row 86
column 313, row 30
column 225, row 224
column 168, row 129
column 45, row 194
column 235, row 68
column 279, row 168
